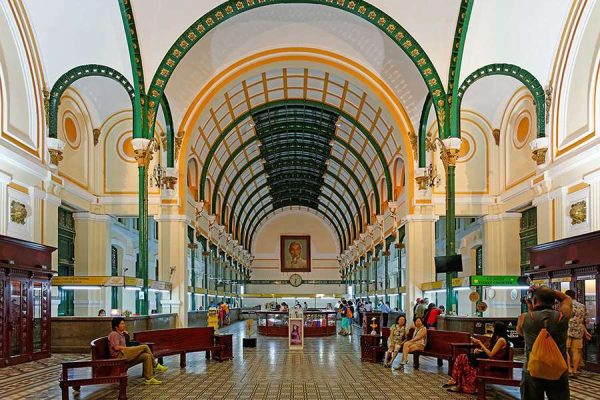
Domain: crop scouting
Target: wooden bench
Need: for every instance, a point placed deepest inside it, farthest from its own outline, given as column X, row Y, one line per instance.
column 103, row 372
column 439, row 345
column 181, row 341
column 496, row 372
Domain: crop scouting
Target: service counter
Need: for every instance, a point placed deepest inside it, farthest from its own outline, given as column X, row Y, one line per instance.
column 480, row 326
column 199, row 319
column 316, row 323
column 74, row 334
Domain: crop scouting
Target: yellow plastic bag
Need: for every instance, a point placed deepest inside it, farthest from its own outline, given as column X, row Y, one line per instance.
column 545, row 360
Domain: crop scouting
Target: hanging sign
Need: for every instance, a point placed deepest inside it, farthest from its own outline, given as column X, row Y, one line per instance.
column 461, row 282
column 433, row 285
column 495, row 280
column 88, row 281
column 563, row 279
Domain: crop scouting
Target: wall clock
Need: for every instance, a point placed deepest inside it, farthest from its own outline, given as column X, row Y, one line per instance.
column 295, row 280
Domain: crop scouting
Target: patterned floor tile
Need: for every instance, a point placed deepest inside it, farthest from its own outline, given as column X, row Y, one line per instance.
column 327, row 369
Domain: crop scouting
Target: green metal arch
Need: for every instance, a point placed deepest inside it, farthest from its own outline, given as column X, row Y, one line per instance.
column 520, row 74
column 347, row 116
column 360, row 8
column 423, row 131
column 164, row 104
column 304, row 203
column 357, row 155
column 75, row 74
column 247, row 184
column 242, row 225
column 341, row 239
column 243, row 233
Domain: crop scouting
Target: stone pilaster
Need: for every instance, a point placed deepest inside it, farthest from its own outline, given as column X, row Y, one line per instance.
column 593, row 209
column 172, row 260
column 420, row 250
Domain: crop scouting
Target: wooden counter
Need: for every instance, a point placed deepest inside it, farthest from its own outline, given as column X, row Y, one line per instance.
column 316, row 323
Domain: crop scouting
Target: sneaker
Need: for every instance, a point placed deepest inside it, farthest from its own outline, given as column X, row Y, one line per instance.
column 160, row 368
column 152, row 381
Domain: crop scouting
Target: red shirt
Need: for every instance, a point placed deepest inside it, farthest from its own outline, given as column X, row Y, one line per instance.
column 432, row 318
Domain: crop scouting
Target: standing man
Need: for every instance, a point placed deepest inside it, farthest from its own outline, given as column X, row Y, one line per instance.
column 385, row 313
column 420, row 309
column 541, row 314
column 575, row 334
column 135, row 354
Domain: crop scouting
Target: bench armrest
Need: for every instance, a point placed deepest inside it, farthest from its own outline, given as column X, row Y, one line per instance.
column 112, row 362
column 487, row 363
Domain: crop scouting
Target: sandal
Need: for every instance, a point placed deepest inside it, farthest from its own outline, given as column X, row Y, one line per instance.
column 447, row 385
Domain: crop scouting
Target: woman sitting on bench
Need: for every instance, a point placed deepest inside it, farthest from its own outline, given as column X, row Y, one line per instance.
column 418, row 341
column 133, row 354
column 464, row 371
column 396, row 340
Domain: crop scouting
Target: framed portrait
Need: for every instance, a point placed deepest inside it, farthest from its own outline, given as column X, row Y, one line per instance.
column 295, row 253
column 296, row 334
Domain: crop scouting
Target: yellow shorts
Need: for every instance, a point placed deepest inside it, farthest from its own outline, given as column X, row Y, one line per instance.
column 575, row 344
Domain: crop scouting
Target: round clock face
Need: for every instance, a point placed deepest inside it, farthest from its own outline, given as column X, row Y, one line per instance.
column 295, row 280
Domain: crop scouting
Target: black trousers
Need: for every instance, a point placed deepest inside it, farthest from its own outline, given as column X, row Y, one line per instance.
column 534, row 388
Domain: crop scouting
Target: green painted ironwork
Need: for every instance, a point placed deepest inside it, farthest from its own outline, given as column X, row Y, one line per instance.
column 361, row 161
column 359, row 8
column 333, row 220
column 170, row 132
column 423, row 131
column 454, row 98
column 73, row 75
column 350, row 118
column 458, row 46
column 246, row 185
column 192, row 247
column 262, row 173
column 143, row 235
column 133, row 45
column 244, row 233
column 522, row 75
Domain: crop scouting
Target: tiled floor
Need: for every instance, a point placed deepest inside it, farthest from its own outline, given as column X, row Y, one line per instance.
column 327, row 369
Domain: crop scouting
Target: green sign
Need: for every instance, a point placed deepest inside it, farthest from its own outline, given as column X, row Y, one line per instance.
column 494, row 280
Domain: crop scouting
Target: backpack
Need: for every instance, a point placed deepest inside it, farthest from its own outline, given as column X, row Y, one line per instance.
column 545, row 359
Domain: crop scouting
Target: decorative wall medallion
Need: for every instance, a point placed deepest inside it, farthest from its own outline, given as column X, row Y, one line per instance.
column 18, row 212
column 578, row 212
column 71, row 131
column 522, row 130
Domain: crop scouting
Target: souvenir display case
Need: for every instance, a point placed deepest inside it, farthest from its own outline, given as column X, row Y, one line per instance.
column 273, row 323
column 319, row 323
column 316, row 323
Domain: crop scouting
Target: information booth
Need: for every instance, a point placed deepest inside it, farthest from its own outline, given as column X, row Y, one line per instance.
column 25, row 276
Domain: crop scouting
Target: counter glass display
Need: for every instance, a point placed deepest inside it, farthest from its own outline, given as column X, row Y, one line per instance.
column 316, row 323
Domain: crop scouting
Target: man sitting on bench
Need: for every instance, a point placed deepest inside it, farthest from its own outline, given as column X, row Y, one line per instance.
column 133, row 354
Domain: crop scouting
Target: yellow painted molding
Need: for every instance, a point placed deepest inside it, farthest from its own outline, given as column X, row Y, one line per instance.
column 17, row 187
column 577, row 187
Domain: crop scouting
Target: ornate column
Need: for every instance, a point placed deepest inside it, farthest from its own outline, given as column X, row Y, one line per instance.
column 143, row 154
column 449, row 156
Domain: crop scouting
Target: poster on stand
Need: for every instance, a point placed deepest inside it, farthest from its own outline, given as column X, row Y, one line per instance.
column 296, row 333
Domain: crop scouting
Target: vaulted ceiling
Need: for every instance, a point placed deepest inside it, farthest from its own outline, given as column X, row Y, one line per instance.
column 294, row 131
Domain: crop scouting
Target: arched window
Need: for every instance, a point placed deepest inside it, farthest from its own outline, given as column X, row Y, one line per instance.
column 372, row 205
column 192, row 178
column 399, row 179
column 208, row 196
column 384, row 194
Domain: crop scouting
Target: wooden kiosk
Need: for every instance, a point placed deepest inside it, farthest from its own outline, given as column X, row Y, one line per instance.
column 25, row 276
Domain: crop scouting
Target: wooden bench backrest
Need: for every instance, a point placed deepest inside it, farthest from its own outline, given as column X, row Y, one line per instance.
column 439, row 341
column 505, row 373
column 100, row 351
column 178, row 339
